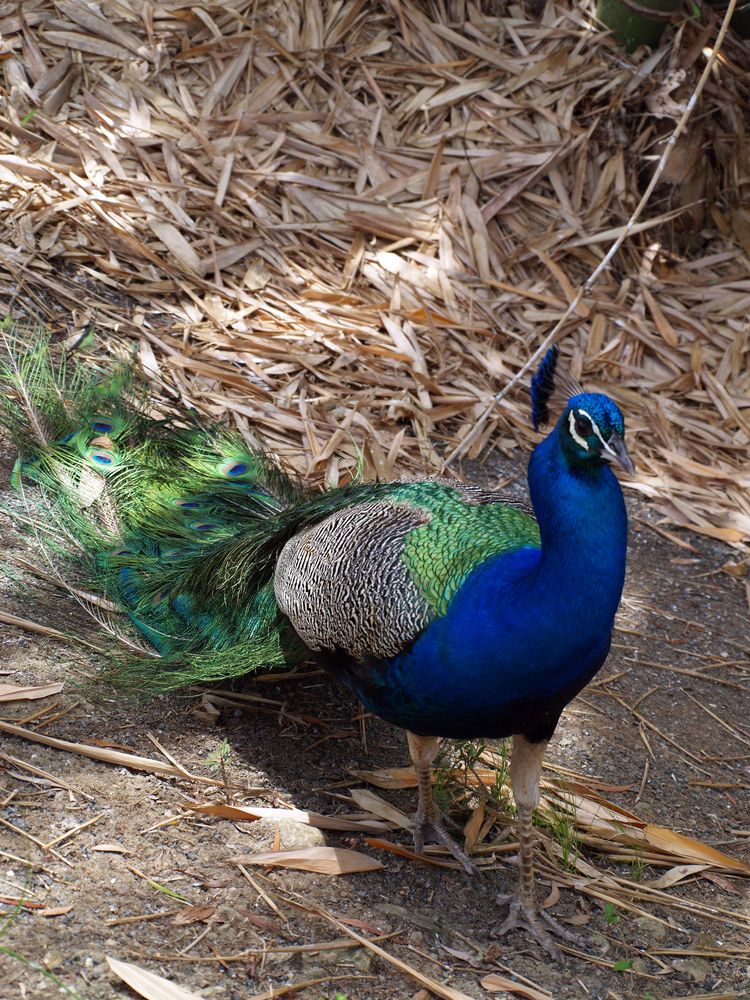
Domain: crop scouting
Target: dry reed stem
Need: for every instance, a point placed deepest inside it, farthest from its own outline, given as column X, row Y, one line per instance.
column 353, row 224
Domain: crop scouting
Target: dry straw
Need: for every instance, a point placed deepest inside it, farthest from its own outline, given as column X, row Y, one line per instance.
column 351, row 224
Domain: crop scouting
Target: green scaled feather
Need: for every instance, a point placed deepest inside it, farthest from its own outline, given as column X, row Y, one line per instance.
column 441, row 554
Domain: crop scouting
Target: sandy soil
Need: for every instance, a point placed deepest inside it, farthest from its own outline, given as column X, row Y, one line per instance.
column 681, row 611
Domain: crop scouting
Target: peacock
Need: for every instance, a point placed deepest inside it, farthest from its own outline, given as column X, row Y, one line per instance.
column 450, row 611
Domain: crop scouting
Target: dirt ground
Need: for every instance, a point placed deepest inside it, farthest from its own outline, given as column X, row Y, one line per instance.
column 680, row 611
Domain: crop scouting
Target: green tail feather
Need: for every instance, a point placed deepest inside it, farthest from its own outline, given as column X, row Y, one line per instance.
column 146, row 505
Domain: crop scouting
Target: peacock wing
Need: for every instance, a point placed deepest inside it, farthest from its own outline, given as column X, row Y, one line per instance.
column 369, row 578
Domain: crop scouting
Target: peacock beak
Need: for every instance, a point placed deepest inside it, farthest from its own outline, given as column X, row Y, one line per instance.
column 616, row 453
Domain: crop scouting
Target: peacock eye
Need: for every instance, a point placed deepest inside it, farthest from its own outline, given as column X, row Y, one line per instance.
column 583, row 426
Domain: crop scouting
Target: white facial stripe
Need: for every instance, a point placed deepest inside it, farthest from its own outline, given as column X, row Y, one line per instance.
column 574, row 434
column 598, row 433
column 593, row 424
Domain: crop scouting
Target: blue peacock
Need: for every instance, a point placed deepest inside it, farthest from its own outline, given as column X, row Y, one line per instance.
column 450, row 611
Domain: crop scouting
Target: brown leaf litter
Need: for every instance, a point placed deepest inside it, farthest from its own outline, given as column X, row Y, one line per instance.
column 350, row 225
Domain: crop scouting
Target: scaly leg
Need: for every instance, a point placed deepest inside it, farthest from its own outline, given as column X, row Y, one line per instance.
column 525, row 771
column 428, row 821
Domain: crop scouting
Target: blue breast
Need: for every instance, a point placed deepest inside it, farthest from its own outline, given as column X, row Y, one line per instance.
column 527, row 630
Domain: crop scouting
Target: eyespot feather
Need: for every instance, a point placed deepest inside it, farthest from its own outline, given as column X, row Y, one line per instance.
column 233, row 467
column 101, row 458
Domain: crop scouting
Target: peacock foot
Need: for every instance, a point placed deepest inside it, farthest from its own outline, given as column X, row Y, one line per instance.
column 433, row 828
column 541, row 925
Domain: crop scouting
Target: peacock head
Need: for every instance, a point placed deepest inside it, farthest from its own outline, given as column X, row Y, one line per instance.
column 591, row 429
column 591, row 432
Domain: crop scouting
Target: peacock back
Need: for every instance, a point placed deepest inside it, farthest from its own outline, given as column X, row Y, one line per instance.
column 220, row 560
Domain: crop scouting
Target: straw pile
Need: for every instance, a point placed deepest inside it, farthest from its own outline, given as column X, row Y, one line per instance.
column 348, row 224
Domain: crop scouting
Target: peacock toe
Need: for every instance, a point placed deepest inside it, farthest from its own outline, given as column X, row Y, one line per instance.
column 542, row 926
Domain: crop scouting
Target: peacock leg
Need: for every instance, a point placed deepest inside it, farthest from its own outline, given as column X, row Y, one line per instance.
column 428, row 821
column 525, row 771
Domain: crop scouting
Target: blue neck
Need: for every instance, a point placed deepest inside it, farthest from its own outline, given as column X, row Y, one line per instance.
column 528, row 629
column 583, row 527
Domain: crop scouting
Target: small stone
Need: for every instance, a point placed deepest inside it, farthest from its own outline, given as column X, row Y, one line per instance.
column 356, row 958
column 315, row 971
column 652, row 929
column 704, row 940
column 598, row 942
column 292, row 835
column 696, row 969
column 278, row 958
column 412, row 916
column 360, row 959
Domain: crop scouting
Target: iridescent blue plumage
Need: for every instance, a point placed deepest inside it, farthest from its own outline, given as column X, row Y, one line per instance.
column 602, row 410
column 528, row 629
